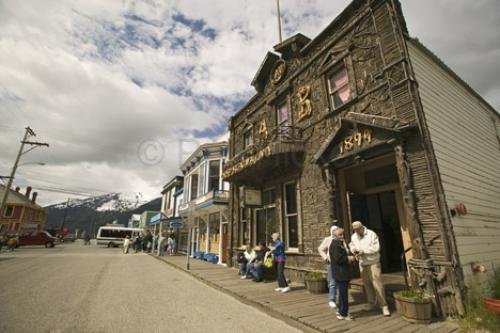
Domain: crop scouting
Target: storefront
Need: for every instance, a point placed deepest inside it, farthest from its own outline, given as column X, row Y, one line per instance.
column 339, row 130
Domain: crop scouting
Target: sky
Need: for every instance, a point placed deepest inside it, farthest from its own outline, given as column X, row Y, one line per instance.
column 123, row 91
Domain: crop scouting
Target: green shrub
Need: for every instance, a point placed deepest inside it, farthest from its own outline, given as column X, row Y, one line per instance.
column 414, row 293
column 476, row 316
column 495, row 284
column 315, row 276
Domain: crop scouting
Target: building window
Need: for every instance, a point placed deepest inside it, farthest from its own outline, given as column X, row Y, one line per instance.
column 248, row 137
column 283, row 120
column 9, row 211
column 201, row 182
column 291, row 214
column 245, row 239
column 213, row 175
column 338, row 86
column 268, row 196
column 194, row 186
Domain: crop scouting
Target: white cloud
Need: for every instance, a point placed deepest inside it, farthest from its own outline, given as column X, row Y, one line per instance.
column 106, row 82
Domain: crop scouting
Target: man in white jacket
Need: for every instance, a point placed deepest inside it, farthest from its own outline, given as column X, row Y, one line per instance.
column 323, row 252
column 366, row 247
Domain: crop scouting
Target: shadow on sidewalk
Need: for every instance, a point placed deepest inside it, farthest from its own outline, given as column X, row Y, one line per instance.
column 299, row 308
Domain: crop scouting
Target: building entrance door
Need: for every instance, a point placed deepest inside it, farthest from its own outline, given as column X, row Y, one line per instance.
column 373, row 196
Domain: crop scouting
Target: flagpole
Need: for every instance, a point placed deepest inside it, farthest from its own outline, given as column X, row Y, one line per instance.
column 279, row 20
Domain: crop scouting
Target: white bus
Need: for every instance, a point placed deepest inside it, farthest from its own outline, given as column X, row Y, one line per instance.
column 113, row 236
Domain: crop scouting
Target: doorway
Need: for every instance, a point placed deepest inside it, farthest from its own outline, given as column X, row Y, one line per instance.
column 265, row 220
column 373, row 196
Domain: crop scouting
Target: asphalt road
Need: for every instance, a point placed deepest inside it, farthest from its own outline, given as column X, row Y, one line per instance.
column 76, row 288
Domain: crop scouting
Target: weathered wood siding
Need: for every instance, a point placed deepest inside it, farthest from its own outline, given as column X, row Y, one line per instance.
column 465, row 141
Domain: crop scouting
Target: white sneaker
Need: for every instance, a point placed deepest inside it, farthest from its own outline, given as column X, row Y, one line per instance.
column 243, row 277
column 285, row 290
column 385, row 311
column 278, row 289
column 332, row 304
column 348, row 317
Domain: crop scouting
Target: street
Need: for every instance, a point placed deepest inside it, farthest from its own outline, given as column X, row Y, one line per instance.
column 77, row 288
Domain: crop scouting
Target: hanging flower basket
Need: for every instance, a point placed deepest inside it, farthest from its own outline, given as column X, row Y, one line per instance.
column 415, row 306
column 316, row 283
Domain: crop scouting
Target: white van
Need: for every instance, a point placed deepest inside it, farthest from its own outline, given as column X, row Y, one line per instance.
column 113, row 236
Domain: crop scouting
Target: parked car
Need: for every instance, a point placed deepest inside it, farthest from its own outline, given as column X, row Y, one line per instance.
column 38, row 238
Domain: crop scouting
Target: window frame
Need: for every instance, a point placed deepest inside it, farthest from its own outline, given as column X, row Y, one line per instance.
column 248, row 131
column 287, row 215
column 11, row 212
column 337, row 68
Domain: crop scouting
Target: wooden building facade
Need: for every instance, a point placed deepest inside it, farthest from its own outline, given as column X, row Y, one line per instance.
column 358, row 124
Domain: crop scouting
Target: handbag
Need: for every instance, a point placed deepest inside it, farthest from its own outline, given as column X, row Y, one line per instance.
column 268, row 262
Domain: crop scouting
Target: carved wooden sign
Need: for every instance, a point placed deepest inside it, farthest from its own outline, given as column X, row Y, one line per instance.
column 305, row 105
column 356, row 140
column 247, row 162
column 278, row 72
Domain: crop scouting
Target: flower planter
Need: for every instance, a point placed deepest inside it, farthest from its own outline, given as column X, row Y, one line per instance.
column 414, row 310
column 492, row 305
column 316, row 286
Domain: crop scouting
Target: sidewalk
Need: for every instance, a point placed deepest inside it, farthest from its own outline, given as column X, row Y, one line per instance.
column 298, row 307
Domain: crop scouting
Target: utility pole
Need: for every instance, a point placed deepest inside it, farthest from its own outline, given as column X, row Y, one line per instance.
column 28, row 132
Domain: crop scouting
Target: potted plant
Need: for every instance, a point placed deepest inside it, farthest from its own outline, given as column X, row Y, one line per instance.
column 414, row 305
column 492, row 304
column 316, row 282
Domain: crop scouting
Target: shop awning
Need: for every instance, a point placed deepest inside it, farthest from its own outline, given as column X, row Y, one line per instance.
column 157, row 219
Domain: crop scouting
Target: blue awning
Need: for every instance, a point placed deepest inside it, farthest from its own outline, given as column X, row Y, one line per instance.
column 157, row 219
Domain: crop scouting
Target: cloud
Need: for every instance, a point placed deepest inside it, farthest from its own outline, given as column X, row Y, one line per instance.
column 123, row 91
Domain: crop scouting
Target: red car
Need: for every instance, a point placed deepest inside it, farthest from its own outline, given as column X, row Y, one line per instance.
column 39, row 238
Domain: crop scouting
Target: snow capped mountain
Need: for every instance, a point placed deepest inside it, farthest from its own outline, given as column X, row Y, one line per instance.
column 88, row 214
column 108, row 202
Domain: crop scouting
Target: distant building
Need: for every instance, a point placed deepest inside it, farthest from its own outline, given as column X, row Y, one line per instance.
column 168, row 220
column 22, row 214
column 204, row 208
column 145, row 220
column 134, row 221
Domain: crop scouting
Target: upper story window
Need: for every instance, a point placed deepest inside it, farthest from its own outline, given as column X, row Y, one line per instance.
column 9, row 211
column 194, row 186
column 248, row 137
column 283, row 117
column 338, row 86
column 213, row 175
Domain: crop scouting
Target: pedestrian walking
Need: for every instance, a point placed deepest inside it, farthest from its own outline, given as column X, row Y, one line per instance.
column 170, row 245
column 162, row 243
column 323, row 252
column 341, row 264
column 278, row 251
column 366, row 247
column 126, row 244
column 137, row 243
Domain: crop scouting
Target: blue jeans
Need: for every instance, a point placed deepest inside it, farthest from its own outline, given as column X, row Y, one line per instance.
column 332, row 289
column 243, row 269
column 343, row 297
column 257, row 271
column 281, row 276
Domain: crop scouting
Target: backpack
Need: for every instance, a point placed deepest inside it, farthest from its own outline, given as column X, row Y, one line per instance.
column 240, row 258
